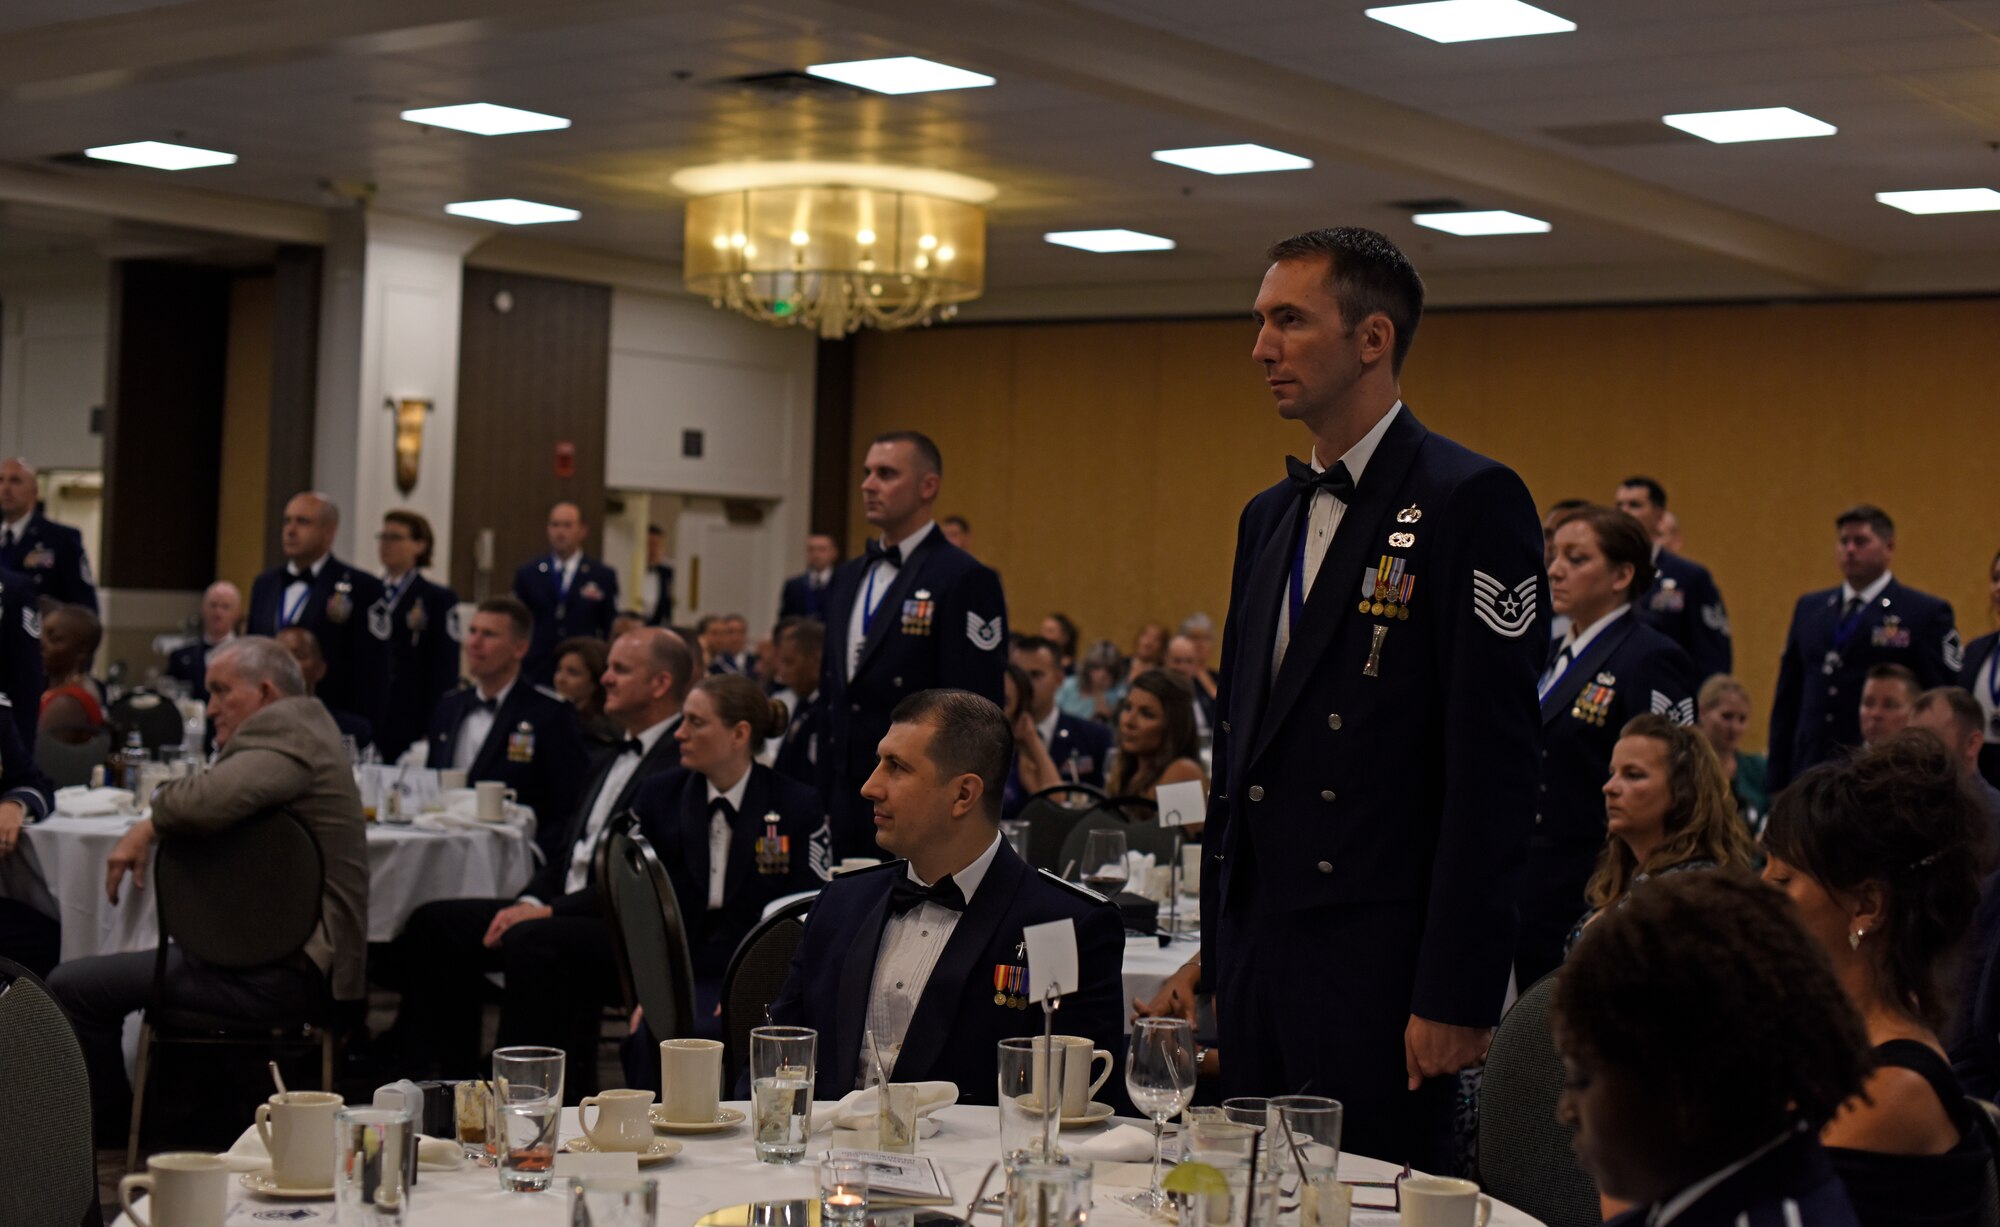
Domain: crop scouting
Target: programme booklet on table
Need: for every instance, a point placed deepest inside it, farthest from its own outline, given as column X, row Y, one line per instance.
column 909, row 1180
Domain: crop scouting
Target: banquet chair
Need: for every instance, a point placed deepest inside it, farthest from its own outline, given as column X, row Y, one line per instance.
column 68, row 764
column 1524, row 1154
column 154, row 715
column 1144, row 834
column 1050, row 815
column 244, row 897
column 648, row 939
column 755, row 974
column 48, row 1169
column 1986, row 1119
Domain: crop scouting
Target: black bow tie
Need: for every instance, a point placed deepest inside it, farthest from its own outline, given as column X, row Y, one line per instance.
column 632, row 745
column 1334, row 481
column 295, row 573
column 479, row 704
column 909, row 894
column 891, row 554
column 722, row 806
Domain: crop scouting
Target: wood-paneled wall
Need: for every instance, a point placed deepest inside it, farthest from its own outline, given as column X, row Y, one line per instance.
column 1103, row 466
column 528, row 379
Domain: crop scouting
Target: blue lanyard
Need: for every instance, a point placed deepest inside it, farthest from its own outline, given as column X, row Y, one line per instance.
column 389, row 598
column 291, row 612
column 868, row 601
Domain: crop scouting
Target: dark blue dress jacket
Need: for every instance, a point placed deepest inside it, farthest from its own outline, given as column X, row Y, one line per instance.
column 1684, row 605
column 587, row 609
column 336, row 611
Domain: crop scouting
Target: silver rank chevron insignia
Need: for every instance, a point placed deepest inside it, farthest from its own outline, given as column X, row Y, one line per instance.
column 1680, row 713
column 985, row 633
column 1508, row 611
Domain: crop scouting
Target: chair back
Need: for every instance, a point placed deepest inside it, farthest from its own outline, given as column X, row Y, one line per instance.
column 649, row 940
column 1524, row 1154
column 245, row 896
column 68, row 764
column 48, row 1168
column 1050, row 815
column 154, row 715
column 752, row 981
column 1986, row 1119
column 1141, row 834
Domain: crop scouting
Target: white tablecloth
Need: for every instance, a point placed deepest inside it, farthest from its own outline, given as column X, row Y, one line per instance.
column 59, row 869
column 719, row 1170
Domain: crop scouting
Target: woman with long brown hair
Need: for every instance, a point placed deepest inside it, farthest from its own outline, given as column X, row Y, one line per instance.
column 1156, row 736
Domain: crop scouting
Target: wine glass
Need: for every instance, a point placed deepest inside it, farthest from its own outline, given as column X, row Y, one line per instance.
column 1104, row 862
column 1159, row 1076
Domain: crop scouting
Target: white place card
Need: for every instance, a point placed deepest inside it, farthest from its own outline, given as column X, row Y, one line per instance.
column 1182, row 804
column 1052, row 959
column 596, row 1163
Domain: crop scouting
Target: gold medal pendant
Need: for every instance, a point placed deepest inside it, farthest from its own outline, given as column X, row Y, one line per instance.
column 1364, row 606
column 1403, row 613
column 1376, row 609
column 1000, row 999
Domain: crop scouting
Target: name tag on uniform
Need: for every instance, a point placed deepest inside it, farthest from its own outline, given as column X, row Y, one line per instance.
column 521, row 744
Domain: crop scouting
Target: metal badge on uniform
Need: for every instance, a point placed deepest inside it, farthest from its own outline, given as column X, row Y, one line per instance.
column 1593, row 702
column 985, row 633
column 591, row 592
column 454, row 625
column 1402, row 541
column 39, row 559
column 521, row 743
column 1409, row 515
column 774, row 851
column 1831, row 663
column 1890, row 634
column 1010, row 986
column 1668, row 597
column 918, row 612
column 340, row 606
column 416, row 619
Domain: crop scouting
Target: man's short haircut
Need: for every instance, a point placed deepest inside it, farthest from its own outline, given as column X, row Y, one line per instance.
column 517, row 614
column 928, row 454
column 1874, row 517
column 1368, row 275
column 734, row 617
column 969, row 736
column 668, row 653
column 808, row 633
column 1655, row 492
column 257, row 659
column 305, row 638
column 1197, row 624
column 1036, row 643
column 959, row 523
column 1889, row 671
column 1966, row 714
column 702, row 623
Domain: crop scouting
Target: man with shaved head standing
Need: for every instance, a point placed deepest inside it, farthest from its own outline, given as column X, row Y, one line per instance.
column 568, row 592
column 221, row 610
column 49, row 553
column 331, row 599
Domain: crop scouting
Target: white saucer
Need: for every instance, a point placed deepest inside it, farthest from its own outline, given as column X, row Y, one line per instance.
column 725, row 1118
column 660, row 1151
column 267, row 1184
column 1096, row 1113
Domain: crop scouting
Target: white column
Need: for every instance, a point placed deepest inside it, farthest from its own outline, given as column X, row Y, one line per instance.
column 389, row 321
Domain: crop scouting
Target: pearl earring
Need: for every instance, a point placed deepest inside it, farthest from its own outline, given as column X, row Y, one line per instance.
column 1854, row 939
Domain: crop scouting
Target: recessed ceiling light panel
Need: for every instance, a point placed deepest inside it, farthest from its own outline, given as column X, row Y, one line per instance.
column 511, row 212
column 1232, row 159
column 485, row 119
column 1943, row 200
column 161, row 156
column 1108, row 240
column 1477, row 223
column 1756, row 124
column 903, row 74
column 1463, row 21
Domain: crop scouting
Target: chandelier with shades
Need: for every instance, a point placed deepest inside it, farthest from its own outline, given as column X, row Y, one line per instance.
column 835, row 247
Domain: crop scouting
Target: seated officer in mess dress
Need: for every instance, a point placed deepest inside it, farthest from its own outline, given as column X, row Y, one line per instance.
column 504, row 727
column 568, row 591
column 1078, row 748
column 423, row 631
column 927, row 953
column 1683, row 604
column 1610, row 668
column 732, row 833
column 551, row 942
column 331, row 599
column 1981, row 676
column 915, row 612
column 48, row 553
column 1838, row 634
column 801, row 647
column 221, row 609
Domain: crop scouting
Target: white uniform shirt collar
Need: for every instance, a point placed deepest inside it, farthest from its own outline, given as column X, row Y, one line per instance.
column 910, row 543
column 311, row 571
column 1357, row 457
column 1047, row 728
column 501, row 697
column 1869, row 593
column 820, row 578
column 567, row 569
column 967, row 879
column 735, row 794
column 1579, row 640
column 19, row 524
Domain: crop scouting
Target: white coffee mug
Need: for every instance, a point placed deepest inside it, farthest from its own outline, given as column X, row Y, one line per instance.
column 1078, row 1088
column 450, row 779
column 184, row 1189
column 297, row 1128
column 1444, row 1201
column 491, row 798
column 622, row 1120
column 691, row 1080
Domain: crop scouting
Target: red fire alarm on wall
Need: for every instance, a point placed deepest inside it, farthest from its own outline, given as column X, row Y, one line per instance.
column 565, row 460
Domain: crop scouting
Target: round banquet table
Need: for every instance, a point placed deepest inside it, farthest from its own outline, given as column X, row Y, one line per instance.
column 59, row 870
column 718, row 1170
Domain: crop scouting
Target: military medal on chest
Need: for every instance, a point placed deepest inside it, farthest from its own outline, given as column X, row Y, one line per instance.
column 1010, row 986
column 774, row 851
column 1387, row 587
column 340, row 606
column 919, row 612
column 521, row 743
column 1593, row 702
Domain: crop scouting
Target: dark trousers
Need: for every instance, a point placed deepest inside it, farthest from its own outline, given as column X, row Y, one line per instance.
column 97, row 994
column 1316, row 1002
column 559, row 977
column 30, row 938
column 1551, row 904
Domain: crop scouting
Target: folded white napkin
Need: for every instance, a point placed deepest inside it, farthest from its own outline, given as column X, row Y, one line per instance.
column 1118, row 1144
column 79, row 801
column 247, row 1154
column 860, row 1109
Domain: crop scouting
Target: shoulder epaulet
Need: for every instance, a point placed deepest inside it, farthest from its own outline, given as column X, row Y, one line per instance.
column 1075, row 888
column 550, row 692
column 5, row 701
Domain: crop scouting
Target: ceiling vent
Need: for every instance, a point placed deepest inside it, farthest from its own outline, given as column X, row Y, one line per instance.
column 1626, row 134
column 787, row 86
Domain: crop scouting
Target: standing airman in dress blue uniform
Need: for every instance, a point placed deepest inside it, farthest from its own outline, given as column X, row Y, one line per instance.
column 1377, row 736
column 1683, row 603
column 804, row 595
column 568, row 592
column 49, row 553
column 913, row 613
column 422, row 620
column 1610, row 668
column 1838, row 634
column 331, row 599
column 1981, row 675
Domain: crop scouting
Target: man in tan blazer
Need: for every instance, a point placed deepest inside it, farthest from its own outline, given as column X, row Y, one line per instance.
column 275, row 746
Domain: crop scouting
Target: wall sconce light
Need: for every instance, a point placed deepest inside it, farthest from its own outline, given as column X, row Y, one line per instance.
column 409, row 413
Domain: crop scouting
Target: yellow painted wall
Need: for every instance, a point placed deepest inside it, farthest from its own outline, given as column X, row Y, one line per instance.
column 1103, row 465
